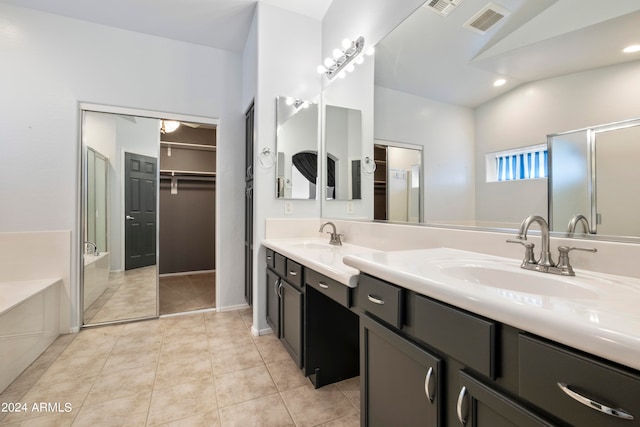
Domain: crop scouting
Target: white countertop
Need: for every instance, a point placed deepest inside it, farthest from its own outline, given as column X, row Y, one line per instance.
column 594, row 312
column 318, row 255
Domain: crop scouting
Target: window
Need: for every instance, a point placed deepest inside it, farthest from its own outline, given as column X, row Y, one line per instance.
column 522, row 163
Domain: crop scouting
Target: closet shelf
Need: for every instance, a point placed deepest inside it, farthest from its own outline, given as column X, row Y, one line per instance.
column 188, row 146
column 199, row 175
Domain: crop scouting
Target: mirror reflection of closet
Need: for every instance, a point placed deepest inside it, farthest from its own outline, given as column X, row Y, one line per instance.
column 397, row 183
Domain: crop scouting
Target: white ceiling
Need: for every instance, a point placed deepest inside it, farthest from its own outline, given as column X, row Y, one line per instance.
column 222, row 24
column 436, row 58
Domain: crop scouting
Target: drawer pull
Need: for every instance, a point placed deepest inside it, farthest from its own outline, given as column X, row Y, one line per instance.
column 292, row 273
column 618, row 413
column 461, row 396
column 375, row 300
column 323, row 285
column 268, row 258
column 427, row 384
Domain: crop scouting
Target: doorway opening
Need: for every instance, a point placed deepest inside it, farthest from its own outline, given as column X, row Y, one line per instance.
column 187, row 218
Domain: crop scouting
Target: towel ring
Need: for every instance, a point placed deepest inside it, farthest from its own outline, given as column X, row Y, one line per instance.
column 266, row 158
column 369, row 165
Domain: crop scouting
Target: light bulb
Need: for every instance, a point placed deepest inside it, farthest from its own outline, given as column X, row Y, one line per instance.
column 328, row 62
column 370, row 51
column 346, row 44
column 632, row 49
column 499, row 82
column 342, row 75
column 350, row 68
column 321, row 69
column 305, row 104
column 170, row 125
column 359, row 59
column 289, row 100
column 337, row 53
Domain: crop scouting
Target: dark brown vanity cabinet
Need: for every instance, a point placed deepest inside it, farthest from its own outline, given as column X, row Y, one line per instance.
column 402, row 382
column 481, row 405
column 285, row 297
column 484, row 373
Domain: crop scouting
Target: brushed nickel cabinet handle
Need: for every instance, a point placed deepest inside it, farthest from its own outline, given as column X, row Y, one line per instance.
column 323, row 285
column 427, row 383
column 275, row 287
column 618, row 413
column 292, row 273
column 461, row 396
column 375, row 300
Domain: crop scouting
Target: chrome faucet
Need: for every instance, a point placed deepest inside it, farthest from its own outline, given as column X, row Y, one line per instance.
column 544, row 264
column 575, row 220
column 335, row 237
column 545, row 256
column 95, row 248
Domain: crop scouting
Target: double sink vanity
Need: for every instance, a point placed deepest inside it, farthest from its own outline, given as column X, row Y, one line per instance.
column 445, row 336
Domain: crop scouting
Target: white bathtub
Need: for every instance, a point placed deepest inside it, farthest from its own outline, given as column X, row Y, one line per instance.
column 29, row 323
column 96, row 277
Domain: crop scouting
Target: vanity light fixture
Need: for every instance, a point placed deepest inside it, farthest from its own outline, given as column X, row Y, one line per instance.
column 632, row 48
column 168, row 126
column 297, row 103
column 499, row 82
column 344, row 59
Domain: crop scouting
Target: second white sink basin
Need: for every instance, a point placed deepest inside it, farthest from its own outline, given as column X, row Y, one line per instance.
column 519, row 280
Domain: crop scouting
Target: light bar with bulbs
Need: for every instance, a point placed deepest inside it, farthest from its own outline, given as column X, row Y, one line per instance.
column 343, row 59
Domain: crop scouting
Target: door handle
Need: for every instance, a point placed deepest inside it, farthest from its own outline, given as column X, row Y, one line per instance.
column 461, row 417
column 618, row 413
column 427, row 384
column 129, row 217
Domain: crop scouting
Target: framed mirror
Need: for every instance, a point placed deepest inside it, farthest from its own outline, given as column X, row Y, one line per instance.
column 465, row 94
column 297, row 148
column 120, row 277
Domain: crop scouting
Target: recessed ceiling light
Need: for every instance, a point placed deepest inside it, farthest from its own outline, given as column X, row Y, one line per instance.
column 632, row 49
column 499, row 82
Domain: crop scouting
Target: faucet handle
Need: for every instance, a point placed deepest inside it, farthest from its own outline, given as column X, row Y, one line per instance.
column 563, row 260
column 529, row 258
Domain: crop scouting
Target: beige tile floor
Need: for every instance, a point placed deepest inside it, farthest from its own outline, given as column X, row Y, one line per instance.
column 130, row 294
column 202, row 369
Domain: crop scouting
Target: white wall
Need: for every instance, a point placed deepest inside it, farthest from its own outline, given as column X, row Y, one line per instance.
column 447, row 134
column 527, row 114
column 286, row 46
column 51, row 63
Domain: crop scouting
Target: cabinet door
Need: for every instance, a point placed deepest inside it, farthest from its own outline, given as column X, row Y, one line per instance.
column 291, row 321
column 273, row 301
column 479, row 405
column 401, row 382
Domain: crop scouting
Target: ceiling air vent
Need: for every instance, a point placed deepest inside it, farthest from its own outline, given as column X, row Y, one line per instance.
column 484, row 20
column 442, row 7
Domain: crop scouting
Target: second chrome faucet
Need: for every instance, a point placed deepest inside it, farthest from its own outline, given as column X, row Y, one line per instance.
column 335, row 237
column 544, row 263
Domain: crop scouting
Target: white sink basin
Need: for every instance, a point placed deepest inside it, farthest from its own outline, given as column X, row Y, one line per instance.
column 520, row 280
column 313, row 245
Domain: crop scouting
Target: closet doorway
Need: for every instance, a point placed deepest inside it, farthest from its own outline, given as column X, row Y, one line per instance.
column 187, row 275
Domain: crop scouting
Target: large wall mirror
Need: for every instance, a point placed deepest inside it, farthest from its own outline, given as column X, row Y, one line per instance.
column 297, row 148
column 148, row 193
column 473, row 96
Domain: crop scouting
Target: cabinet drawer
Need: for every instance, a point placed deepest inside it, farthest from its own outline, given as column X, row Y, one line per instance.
column 467, row 338
column 329, row 287
column 294, row 273
column 280, row 264
column 547, row 368
column 270, row 258
column 381, row 299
